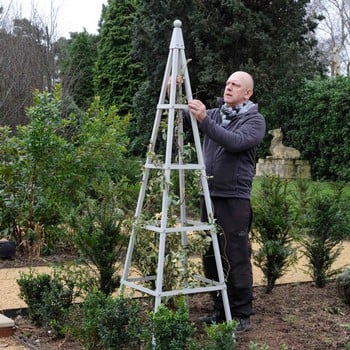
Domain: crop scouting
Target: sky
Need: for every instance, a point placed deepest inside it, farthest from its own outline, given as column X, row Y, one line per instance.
column 71, row 15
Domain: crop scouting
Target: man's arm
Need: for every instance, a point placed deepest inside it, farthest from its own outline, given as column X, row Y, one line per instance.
column 249, row 134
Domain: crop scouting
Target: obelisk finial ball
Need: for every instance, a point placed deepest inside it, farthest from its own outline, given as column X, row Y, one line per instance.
column 177, row 23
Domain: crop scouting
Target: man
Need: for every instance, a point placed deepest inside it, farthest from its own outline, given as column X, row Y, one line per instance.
column 232, row 134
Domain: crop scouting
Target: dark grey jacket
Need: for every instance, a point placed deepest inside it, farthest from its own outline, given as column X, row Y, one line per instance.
column 230, row 153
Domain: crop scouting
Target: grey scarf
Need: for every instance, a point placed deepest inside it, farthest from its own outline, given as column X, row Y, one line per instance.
column 228, row 113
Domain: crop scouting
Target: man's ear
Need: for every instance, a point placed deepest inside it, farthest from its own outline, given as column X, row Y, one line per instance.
column 249, row 94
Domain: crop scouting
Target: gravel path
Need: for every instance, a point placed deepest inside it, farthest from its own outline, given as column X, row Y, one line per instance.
column 10, row 289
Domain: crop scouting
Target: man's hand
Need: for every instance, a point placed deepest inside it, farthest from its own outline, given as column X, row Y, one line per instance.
column 198, row 109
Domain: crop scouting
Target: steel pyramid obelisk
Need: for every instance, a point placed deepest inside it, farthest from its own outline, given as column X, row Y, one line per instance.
column 176, row 66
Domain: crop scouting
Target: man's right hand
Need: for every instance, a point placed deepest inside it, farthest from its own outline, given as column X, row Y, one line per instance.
column 198, row 109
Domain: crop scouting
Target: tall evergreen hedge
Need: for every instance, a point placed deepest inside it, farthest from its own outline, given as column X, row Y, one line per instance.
column 270, row 39
column 322, row 127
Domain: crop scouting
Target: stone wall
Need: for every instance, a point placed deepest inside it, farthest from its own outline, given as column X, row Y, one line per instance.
column 284, row 168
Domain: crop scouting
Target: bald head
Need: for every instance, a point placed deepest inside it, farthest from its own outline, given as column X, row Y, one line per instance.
column 245, row 79
column 239, row 88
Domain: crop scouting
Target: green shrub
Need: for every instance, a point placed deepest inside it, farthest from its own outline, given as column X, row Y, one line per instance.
column 108, row 323
column 49, row 299
column 272, row 229
column 33, row 176
column 322, row 221
column 171, row 330
column 220, row 336
column 98, row 235
column 323, row 134
column 54, row 159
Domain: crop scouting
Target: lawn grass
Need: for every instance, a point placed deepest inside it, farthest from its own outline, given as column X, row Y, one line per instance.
column 321, row 186
column 324, row 186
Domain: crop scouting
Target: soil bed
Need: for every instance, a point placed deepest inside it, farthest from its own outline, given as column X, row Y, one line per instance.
column 297, row 316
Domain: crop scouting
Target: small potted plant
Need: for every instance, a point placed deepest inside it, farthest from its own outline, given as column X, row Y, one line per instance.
column 7, row 249
column 343, row 285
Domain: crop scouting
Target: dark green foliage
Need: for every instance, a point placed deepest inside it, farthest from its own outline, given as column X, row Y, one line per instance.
column 77, row 68
column 53, row 162
column 117, row 74
column 97, row 225
column 268, row 39
column 48, row 298
column 10, row 156
column 108, row 323
column 31, row 291
column 104, row 322
column 220, row 336
column 153, row 31
column 172, row 330
column 272, row 229
column 322, row 127
column 323, row 224
column 285, row 32
column 100, row 143
column 33, row 176
column 252, row 36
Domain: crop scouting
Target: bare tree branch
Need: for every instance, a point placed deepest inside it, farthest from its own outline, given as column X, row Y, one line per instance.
column 333, row 33
column 27, row 61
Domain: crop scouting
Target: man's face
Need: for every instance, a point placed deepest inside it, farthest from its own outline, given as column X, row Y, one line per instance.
column 237, row 89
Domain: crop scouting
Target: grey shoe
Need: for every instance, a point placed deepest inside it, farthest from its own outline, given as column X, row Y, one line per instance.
column 243, row 324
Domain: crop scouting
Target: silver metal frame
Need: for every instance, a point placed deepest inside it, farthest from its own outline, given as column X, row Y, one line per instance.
column 176, row 66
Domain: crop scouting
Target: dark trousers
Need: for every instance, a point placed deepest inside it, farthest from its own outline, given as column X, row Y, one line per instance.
column 234, row 216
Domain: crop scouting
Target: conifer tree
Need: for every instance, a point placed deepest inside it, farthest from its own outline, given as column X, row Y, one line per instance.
column 153, row 30
column 117, row 74
column 269, row 39
column 78, row 68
